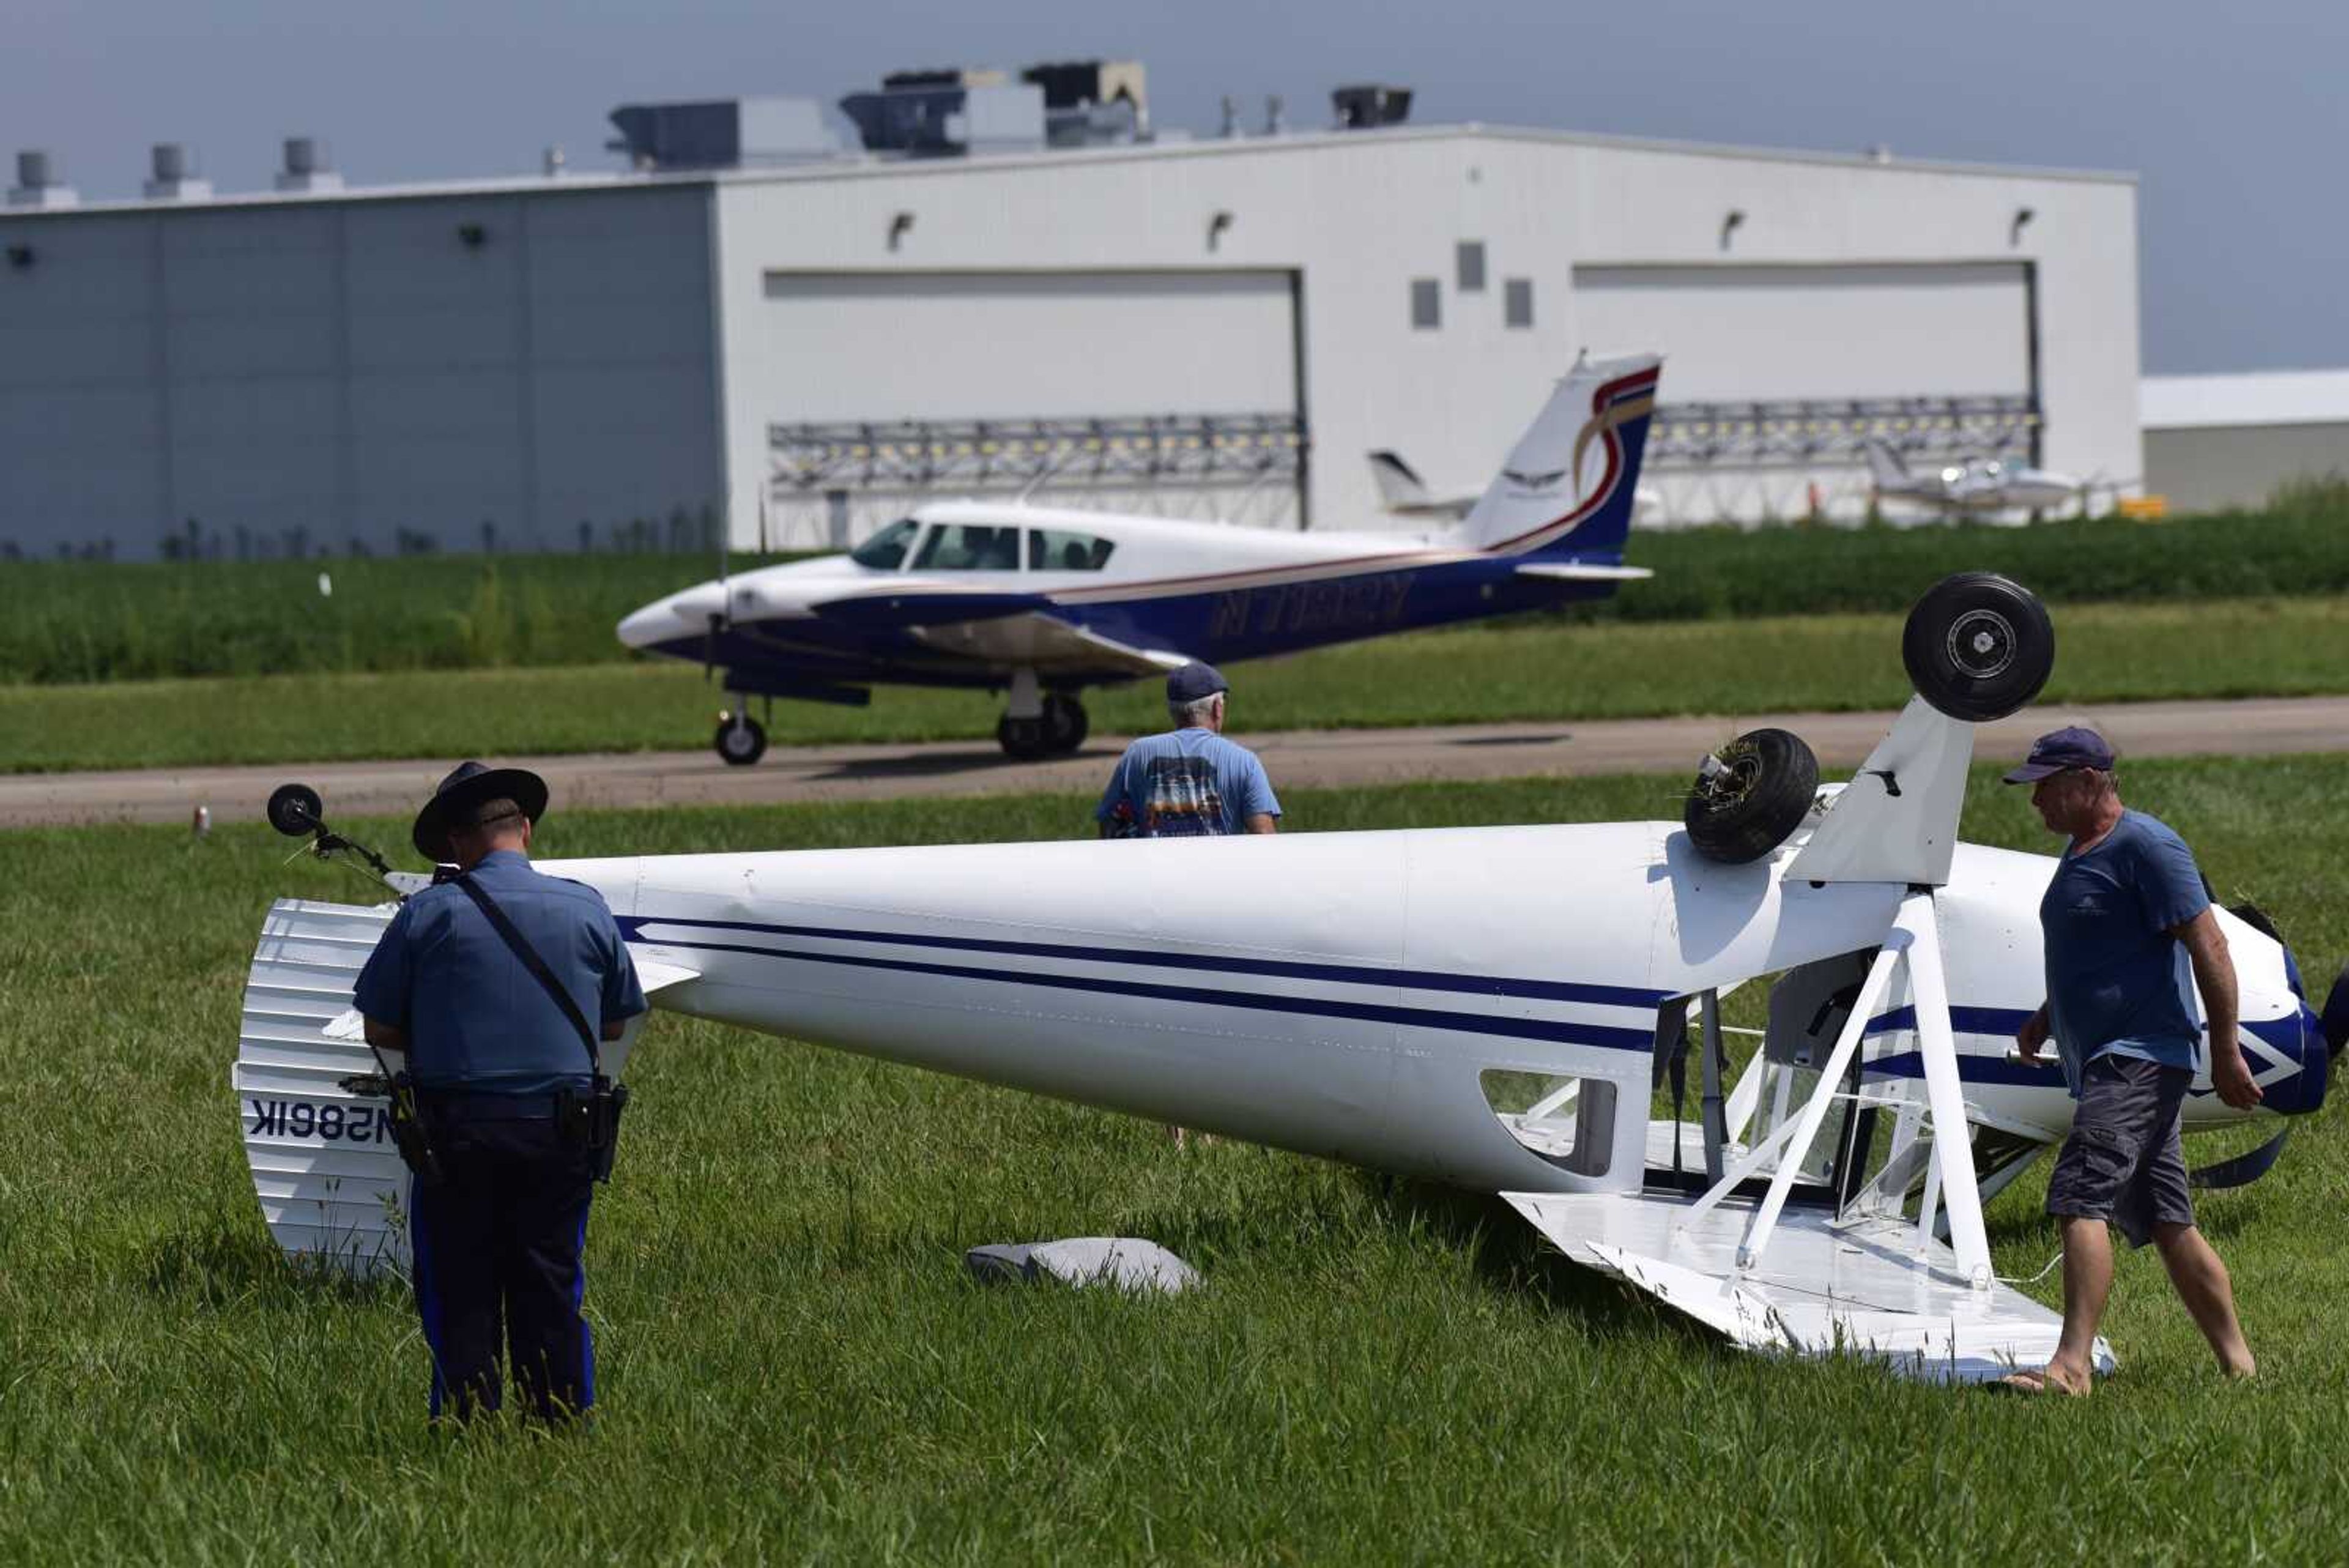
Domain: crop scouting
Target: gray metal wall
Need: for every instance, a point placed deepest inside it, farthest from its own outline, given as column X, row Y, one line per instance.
column 2213, row 467
column 280, row 378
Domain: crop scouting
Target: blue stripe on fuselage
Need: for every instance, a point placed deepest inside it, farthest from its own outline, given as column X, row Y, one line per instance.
column 1211, row 624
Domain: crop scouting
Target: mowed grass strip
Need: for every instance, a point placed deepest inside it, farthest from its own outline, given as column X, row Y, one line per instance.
column 793, row 1365
column 2106, row 653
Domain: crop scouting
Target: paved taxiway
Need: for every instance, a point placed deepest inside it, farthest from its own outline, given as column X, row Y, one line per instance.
column 1296, row 759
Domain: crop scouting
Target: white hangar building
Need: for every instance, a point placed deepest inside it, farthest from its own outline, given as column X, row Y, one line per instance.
column 1215, row 327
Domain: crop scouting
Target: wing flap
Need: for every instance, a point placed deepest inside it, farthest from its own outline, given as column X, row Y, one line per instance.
column 1046, row 642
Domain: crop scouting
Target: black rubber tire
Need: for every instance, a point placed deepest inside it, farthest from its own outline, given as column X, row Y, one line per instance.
column 1066, row 723
column 1743, row 813
column 1977, row 646
column 2335, row 1019
column 743, row 746
column 293, row 809
column 1023, row 739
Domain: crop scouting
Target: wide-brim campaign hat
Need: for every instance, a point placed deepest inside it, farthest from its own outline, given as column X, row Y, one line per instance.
column 464, row 790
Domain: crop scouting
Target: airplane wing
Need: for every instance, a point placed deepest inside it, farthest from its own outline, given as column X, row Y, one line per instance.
column 1578, row 572
column 1045, row 642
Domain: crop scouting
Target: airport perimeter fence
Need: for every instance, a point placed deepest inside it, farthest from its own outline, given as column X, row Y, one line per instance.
column 84, row 622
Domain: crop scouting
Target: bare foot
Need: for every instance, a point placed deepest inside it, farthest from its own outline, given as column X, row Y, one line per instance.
column 2047, row 1380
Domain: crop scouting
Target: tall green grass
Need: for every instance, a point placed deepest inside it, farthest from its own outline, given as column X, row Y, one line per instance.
column 77, row 621
column 1538, row 672
column 793, row 1367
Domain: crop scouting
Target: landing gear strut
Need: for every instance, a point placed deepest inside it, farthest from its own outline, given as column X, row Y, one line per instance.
column 1059, row 729
column 741, row 738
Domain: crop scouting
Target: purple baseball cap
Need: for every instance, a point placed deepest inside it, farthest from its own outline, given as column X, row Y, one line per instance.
column 2071, row 746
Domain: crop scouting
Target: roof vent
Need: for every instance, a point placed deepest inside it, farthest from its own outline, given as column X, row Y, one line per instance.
column 173, row 176
column 308, row 166
column 36, row 183
column 1365, row 105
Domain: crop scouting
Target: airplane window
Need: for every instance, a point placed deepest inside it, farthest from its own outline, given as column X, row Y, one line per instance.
column 970, row 547
column 886, row 551
column 1052, row 550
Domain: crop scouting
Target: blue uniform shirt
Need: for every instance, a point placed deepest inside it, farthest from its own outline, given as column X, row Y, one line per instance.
column 475, row 1018
column 1186, row 783
column 2117, row 981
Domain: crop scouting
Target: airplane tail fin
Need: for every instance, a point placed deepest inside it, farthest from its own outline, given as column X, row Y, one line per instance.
column 1572, row 480
column 1400, row 488
column 1885, row 466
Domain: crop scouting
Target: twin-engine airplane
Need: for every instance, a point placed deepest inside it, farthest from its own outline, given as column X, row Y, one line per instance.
column 1495, row 1008
column 1043, row 603
column 1975, row 487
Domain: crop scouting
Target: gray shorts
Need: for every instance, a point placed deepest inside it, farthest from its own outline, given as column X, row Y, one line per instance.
column 2122, row 1162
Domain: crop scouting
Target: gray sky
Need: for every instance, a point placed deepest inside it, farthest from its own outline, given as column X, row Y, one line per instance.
column 2229, row 117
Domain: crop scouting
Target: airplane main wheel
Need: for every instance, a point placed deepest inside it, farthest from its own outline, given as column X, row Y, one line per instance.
column 1750, row 794
column 741, row 738
column 1065, row 723
column 1023, row 739
column 1977, row 646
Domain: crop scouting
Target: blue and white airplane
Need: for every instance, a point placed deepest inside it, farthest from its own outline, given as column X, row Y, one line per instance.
column 1042, row 602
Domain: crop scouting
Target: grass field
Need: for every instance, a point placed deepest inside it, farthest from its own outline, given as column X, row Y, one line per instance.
column 2110, row 653
column 81, row 621
column 793, row 1367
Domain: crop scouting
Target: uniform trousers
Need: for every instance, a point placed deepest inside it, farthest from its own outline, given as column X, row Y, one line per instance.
column 498, row 1246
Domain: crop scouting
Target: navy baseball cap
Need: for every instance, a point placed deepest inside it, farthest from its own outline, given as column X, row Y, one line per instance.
column 2069, row 747
column 1194, row 681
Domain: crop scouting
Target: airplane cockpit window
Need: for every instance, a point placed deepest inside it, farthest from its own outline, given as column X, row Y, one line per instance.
column 1053, row 550
column 886, row 551
column 970, row 547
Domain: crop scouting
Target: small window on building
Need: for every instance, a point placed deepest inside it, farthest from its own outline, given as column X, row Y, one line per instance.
column 1426, row 304
column 970, row 547
column 1052, row 550
column 1471, row 266
column 1518, row 297
column 886, row 551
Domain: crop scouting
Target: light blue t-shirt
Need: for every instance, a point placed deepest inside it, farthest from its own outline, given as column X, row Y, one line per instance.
column 2117, row 982
column 1186, row 783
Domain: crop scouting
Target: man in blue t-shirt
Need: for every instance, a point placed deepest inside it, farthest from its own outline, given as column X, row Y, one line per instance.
column 2130, row 937
column 1189, row 782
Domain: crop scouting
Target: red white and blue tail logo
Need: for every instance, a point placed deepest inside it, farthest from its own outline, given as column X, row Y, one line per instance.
column 1569, row 484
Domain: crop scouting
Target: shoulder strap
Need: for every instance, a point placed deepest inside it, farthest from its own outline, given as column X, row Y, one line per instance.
column 515, row 939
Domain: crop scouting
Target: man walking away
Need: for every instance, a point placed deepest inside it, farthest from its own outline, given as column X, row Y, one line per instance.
column 501, row 1071
column 1190, row 781
column 2130, row 936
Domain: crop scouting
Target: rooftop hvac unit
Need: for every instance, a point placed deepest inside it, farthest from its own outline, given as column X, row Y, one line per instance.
column 36, row 182
column 173, row 175
column 722, row 133
column 308, row 166
column 1367, row 105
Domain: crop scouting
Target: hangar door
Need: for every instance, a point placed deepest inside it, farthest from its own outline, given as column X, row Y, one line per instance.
column 1776, row 376
column 1173, row 392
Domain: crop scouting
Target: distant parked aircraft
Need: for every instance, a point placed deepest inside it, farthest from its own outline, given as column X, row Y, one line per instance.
column 1973, row 486
column 1043, row 603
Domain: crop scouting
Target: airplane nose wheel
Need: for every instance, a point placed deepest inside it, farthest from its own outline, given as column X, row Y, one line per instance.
column 741, row 738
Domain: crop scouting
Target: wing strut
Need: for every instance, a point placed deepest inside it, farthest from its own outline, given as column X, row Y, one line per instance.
column 1914, row 942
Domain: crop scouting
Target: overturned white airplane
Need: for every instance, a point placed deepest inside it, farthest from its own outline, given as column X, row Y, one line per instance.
column 1495, row 1008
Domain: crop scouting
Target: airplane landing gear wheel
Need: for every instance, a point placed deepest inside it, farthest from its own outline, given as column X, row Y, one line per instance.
column 1023, row 739
column 741, row 738
column 1977, row 646
column 1750, row 794
column 1065, row 723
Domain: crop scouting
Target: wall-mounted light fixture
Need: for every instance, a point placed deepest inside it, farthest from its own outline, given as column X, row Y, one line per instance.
column 899, row 226
column 1731, row 222
column 2023, row 216
column 472, row 237
column 1216, row 228
column 20, row 257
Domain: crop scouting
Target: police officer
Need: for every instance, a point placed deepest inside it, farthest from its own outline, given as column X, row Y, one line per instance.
column 498, row 1066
